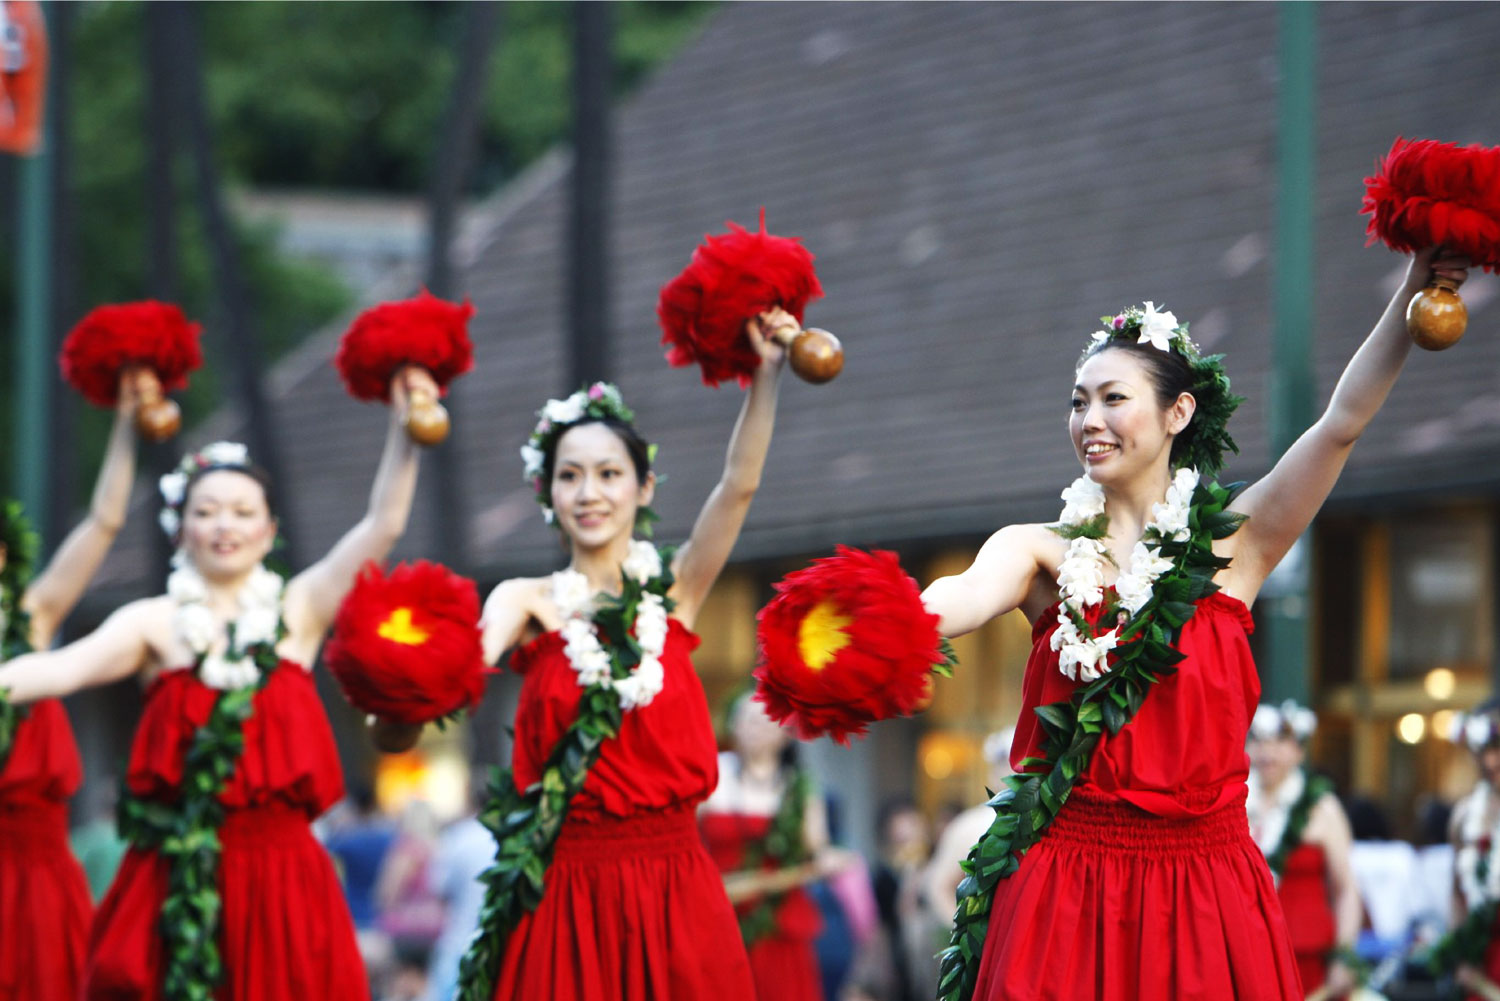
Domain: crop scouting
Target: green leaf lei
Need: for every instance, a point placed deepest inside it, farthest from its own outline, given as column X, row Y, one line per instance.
column 186, row 835
column 784, row 846
column 1316, row 788
column 21, row 546
column 1144, row 655
column 1468, row 942
column 526, row 822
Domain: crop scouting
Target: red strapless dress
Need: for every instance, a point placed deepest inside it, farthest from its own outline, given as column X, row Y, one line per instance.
column 1147, row 886
column 1309, row 915
column 634, row 908
column 783, row 963
column 44, row 898
column 285, row 931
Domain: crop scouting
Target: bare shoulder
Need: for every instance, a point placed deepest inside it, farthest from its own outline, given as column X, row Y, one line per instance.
column 518, row 594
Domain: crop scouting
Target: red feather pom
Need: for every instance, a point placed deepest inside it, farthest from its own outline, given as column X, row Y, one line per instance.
column 423, row 330
column 731, row 278
column 1426, row 193
column 111, row 338
column 406, row 646
column 890, row 644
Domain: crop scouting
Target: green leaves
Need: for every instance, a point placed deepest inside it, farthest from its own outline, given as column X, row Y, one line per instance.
column 1071, row 730
column 782, row 846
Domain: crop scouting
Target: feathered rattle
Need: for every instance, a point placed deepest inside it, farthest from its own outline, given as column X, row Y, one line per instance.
column 732, row 278
column 847, row 642
column 1426, row 193
column 150, row 343
column 406, row 649
column 424, row 331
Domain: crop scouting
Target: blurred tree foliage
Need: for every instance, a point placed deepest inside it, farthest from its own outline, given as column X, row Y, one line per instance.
column 301, row 95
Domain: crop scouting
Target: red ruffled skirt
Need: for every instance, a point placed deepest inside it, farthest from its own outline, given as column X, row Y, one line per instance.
column 285, row 931
column 44, row 905
column 1116, row 904
column 634, row 909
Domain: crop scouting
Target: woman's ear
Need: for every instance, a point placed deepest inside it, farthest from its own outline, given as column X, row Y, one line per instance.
column 1180, row 415
column 648, row 489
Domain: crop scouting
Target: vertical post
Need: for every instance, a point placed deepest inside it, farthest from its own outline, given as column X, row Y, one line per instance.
column 31, row 383
column 588, row 223
column 61, row 436
column 1284, row 673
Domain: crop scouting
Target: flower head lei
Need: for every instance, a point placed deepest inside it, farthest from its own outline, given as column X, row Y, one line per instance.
column 1206, row 437
column 1287, row 719
column 601, row 401
column 1476, row 730
column 255, row 631
column 173, row 486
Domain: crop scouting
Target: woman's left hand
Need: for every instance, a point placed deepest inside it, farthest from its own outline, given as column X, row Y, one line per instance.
column 761, row 330
column 1437, row 262
column 410, row 380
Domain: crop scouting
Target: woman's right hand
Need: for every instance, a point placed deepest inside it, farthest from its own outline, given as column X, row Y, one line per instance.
column 1437, row 262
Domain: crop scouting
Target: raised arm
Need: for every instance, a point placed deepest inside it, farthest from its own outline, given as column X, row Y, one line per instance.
column 700, row 559
column 313, row 596
column 52, row 594
column 999, row 580
column 117, row 649
column 1284, row 502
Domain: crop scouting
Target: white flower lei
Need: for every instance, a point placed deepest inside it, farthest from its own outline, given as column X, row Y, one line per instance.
column 587, row 655
column 193, row 623
column 1080, row 577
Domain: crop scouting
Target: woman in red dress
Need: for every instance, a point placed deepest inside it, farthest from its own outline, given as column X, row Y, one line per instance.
column 1299, row 825
column 1144, row 883
column 44, row 898
column 632, row 907
column 760, row 789
column 224, row 892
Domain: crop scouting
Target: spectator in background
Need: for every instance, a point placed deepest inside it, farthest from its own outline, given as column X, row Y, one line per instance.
column 407, row 909
column 944, row 872
column 359, row 845
column 464, row 849
column 1475, row 834
column 905, row 844
column 97, row 842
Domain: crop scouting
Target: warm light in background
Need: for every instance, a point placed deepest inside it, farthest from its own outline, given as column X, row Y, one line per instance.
column 1440, row 683
column 937, row 762
column 1442, row 723
column 1411, row 728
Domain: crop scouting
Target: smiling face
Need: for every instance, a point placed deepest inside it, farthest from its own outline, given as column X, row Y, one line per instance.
column 227, row 528
column 596, row 489
column 1119, row 428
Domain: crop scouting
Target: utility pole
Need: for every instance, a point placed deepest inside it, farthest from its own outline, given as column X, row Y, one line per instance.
column 588, row 221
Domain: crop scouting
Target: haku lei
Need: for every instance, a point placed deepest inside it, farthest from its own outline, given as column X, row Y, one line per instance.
column 783, row 846
column 1170, row 570
column 526, row 822
column 185, row 833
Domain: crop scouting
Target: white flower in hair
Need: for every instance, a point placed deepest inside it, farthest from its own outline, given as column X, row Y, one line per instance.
column 225, row 453
column 1478, row 732
column 1266, row 723
column 643, row 561
column 173, row 487
column 534, row 459
column 1299, row 719
column 169, row 521
column 1083, row 500
column 565, row 411
column 1158, row 328
column 1099, row 337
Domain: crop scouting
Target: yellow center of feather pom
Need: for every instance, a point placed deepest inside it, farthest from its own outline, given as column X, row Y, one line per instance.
column 821, row 635
column 399, row 628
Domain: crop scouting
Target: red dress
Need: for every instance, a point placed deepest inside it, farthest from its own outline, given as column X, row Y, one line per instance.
column 783, row 962
column 285, row 931
column 1309, row 915
column 1147, row 885
column 634, row 908
column 44, row 898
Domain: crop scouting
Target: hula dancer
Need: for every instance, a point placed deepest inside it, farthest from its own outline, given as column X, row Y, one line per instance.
column 1120, row 866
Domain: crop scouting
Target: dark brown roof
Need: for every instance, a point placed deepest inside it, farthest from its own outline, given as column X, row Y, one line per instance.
column 980, row 183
